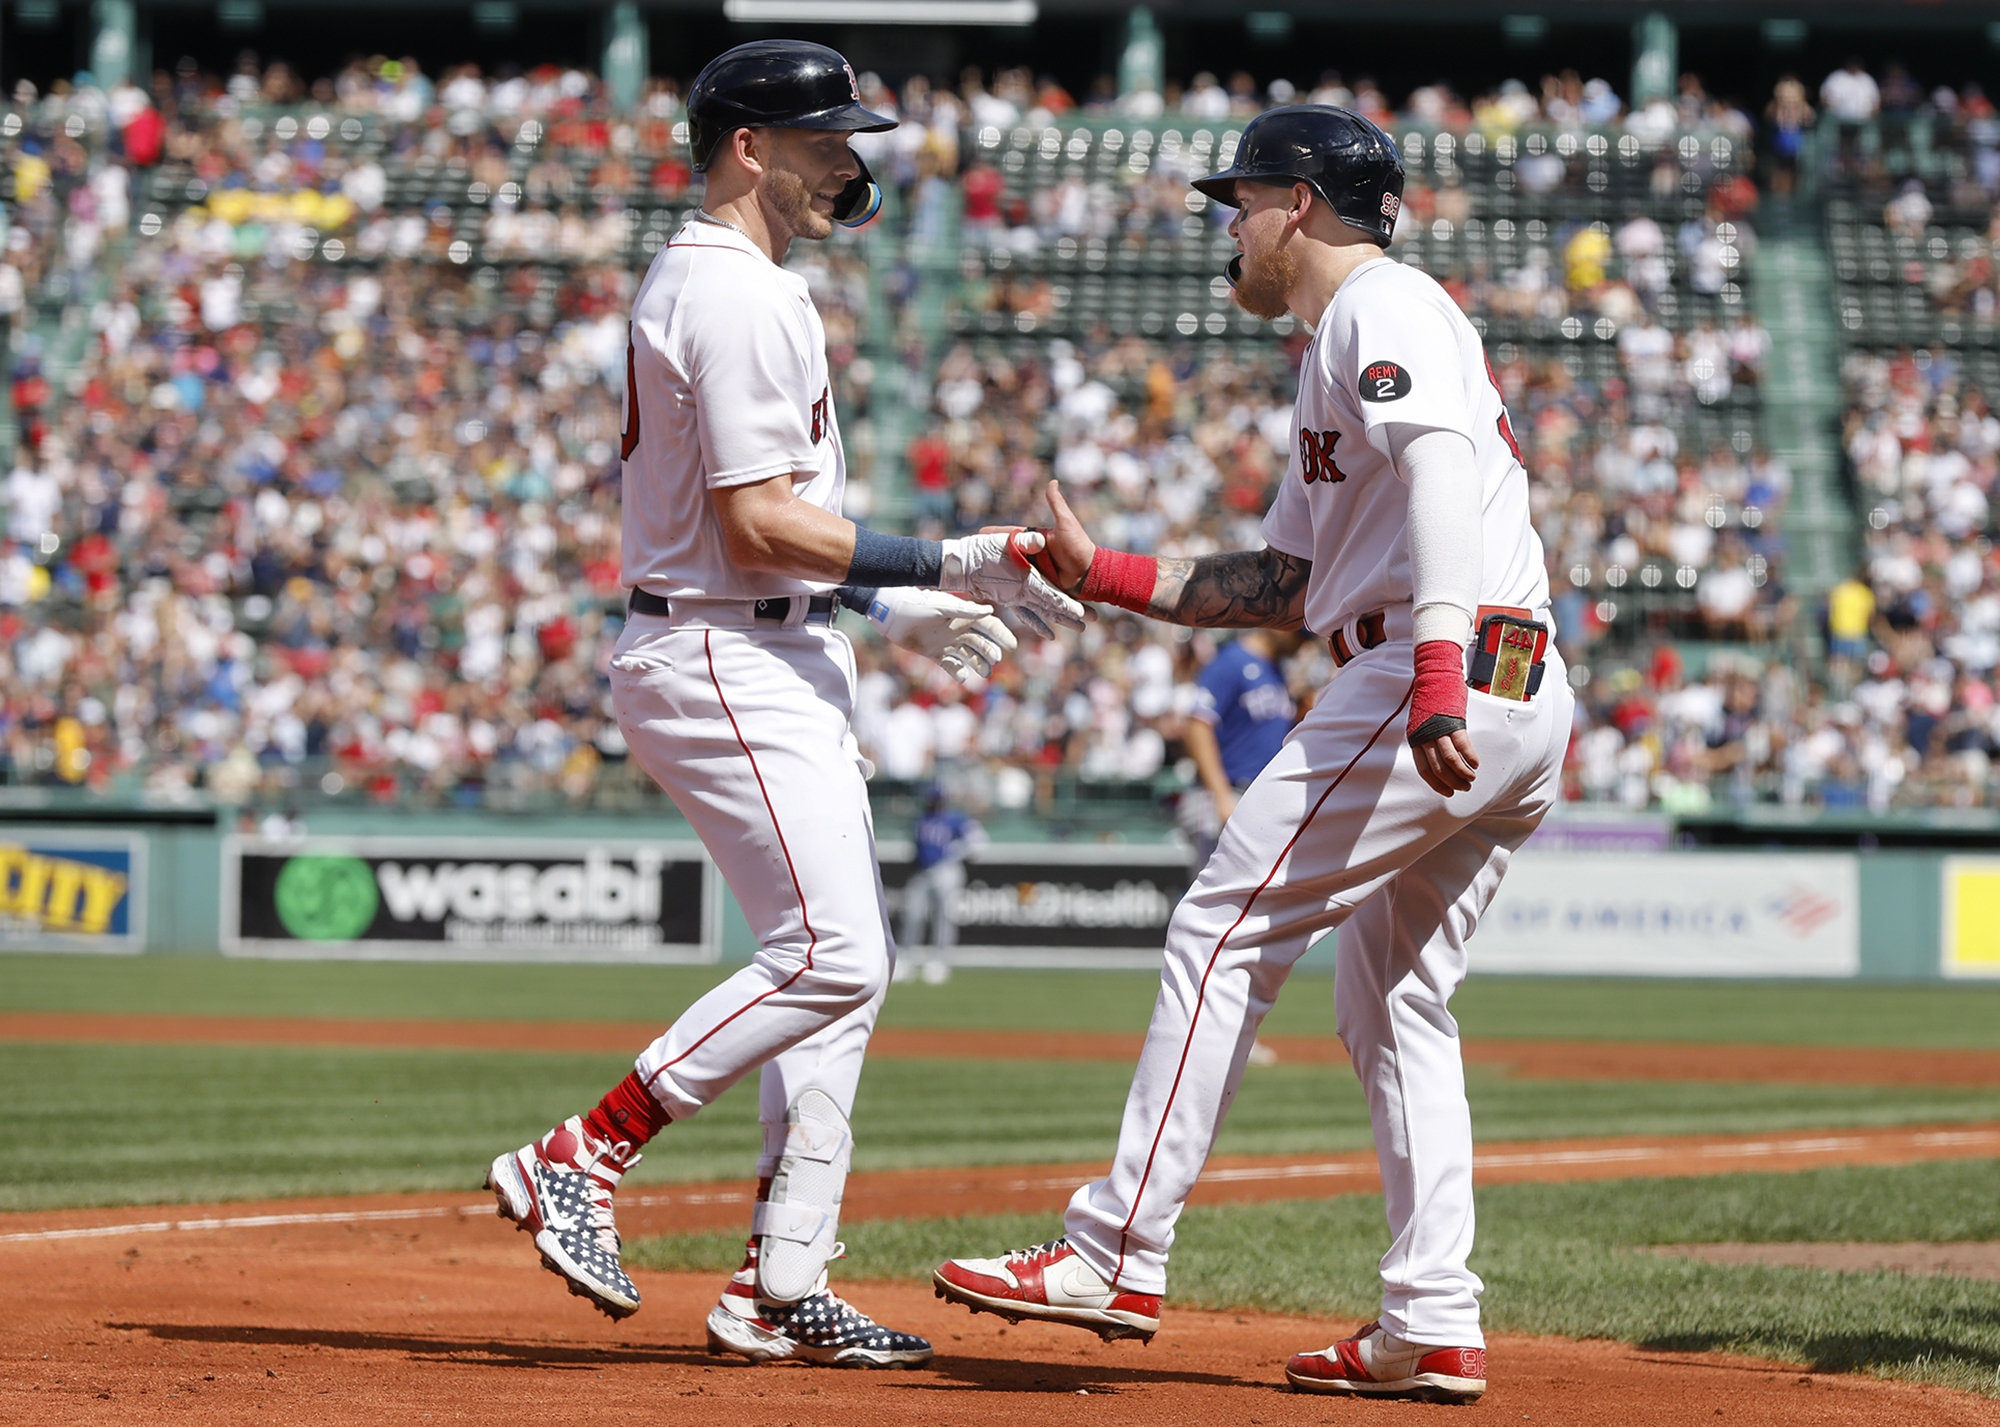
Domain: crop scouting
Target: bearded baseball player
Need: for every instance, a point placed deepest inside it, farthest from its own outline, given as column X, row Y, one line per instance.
column 735, row 693
column 1401, row 535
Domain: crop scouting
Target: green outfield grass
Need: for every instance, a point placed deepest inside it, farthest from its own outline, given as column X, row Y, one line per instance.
column 1812, row 1013
column 142, row 1124
column 1568, row 1259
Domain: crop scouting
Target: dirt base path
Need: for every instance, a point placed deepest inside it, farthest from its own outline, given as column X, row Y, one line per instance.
column 452, row 1321
column 1044, row 1189
column 1523, row 1059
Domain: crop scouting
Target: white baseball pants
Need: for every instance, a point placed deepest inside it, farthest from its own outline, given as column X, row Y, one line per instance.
column 1339, row 829
column 745, row 725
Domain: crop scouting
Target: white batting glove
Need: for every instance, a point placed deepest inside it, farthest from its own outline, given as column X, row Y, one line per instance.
column 963, row 637
column 995, row 568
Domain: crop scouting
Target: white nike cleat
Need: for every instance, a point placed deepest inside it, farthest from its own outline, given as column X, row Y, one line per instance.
column 1049, row 1282
column 1376, row 1363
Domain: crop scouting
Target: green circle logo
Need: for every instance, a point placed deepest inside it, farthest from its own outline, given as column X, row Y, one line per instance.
column 326, row 898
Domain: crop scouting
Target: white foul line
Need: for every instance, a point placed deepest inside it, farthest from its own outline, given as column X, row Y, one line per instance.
column 244, row 1221
column 1622, row 1154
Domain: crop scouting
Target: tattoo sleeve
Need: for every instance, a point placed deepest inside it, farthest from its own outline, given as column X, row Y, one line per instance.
column 1244, row 589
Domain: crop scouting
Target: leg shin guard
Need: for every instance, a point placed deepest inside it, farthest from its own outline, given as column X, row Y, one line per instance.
column 795, row 1227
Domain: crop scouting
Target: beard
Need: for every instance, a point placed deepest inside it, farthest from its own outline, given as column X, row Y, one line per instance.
column 1266, row 283
column 789, row 196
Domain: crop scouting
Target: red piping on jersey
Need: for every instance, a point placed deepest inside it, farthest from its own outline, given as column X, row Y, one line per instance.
column 812, row 937
column 1201, row 994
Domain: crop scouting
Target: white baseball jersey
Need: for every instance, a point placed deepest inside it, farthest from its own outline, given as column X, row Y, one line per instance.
column 1392, row 347
column 726, row 384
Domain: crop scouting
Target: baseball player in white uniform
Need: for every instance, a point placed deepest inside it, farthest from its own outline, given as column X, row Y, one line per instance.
column 1401, row 534
column 735, row 691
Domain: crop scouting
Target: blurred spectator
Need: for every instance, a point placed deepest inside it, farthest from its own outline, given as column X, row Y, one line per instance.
column 1849, row 93
column 1851, row 99
column 1850, row 613
column 1901, row 97
column 1206, row 99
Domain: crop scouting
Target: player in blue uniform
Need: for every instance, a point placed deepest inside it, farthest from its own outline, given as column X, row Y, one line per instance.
column 945, row 837
column 1242, row 712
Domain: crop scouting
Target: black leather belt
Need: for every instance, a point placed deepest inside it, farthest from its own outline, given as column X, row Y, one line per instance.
column 819, row 608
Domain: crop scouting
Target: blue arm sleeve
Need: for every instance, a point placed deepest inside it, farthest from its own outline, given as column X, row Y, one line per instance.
column 894, row 560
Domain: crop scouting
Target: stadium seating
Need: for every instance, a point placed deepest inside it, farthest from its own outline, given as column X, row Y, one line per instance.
column 321, row 409
column 1554, row 241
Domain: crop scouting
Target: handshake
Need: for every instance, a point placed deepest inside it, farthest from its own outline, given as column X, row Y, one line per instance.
column 956, row 625
column 1002, row 566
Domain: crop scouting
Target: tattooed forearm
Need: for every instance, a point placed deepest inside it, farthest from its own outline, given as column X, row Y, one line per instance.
column 1244, row 589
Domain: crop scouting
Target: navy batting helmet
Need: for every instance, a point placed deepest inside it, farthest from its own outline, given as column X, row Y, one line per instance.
column 1352, row 165
column 784, row 84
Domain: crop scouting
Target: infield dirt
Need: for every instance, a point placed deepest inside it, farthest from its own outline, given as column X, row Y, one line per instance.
column 451, row 1321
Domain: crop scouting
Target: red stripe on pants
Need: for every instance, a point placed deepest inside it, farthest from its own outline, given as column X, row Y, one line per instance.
column 1201, row 993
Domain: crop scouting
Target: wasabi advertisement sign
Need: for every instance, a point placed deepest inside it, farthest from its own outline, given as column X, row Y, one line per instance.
column 72, row 891
column 470, row 899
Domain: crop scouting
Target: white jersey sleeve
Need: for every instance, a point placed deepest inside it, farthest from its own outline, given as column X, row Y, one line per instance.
column 755, row 398
column 1403, row 365
column 1288, row 524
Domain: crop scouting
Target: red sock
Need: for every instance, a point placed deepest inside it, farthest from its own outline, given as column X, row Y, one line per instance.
column 628, row 1113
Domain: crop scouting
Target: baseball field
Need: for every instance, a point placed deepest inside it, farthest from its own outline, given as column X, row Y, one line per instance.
column 245, row 1191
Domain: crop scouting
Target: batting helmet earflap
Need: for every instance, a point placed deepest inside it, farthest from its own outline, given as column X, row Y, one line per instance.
column 1352, row 165
column 860, row 201
column 784, row 84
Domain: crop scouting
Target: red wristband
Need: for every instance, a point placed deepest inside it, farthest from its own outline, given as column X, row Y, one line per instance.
column 1437, row 698
column 1121, row 578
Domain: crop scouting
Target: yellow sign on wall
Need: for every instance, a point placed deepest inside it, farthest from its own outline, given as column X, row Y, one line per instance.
column 58, row 893
column 72, row 891
column 1971, row 916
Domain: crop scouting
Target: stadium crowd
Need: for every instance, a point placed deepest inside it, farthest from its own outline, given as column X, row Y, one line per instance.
column 296, row 517
column 1906, row 713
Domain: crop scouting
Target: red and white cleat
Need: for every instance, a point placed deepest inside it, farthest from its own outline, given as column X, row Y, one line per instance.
column 1050, row 1283
column 1375, row 1363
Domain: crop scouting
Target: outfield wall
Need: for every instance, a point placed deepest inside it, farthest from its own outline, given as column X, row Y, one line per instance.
column 1587, row 897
